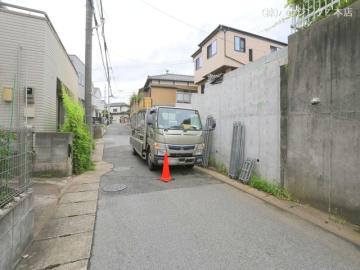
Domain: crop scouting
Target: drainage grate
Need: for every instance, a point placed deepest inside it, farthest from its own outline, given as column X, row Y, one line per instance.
column 114, row 187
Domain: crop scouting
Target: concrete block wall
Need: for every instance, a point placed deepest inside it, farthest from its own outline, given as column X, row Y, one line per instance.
column 250, row 94
column 16, row 230
column 53, row 154
column 98, row 131
column 323, row 145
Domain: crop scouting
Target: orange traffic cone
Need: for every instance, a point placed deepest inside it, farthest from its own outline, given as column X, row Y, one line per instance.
column 165, row 176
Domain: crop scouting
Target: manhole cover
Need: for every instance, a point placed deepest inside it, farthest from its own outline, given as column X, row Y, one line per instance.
column 121, row 169
column 114, row 187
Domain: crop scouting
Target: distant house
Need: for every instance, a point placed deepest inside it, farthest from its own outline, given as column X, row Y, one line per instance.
column 226, row 49
column 34, row 66
column 167, row 89
column 80, row 69
column 119, row 112
column 98, row 104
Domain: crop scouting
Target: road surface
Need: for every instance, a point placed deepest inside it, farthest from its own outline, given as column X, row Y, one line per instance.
column 197, row 222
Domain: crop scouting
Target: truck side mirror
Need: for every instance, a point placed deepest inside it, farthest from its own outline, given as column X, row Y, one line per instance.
column 213, row 126
column 149, row 120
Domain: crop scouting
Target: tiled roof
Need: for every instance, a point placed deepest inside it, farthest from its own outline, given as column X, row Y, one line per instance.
column 173, row 77
column 119, row 104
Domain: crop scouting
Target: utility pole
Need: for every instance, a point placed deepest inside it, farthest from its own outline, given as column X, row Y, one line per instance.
column 88, row 62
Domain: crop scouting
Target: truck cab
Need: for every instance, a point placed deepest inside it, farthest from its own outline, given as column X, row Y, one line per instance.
column 161, row 129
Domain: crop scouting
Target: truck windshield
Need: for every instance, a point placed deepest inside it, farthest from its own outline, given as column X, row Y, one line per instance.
column 174, row 118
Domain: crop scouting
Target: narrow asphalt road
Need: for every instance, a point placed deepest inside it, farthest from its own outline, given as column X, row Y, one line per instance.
column 196, row 222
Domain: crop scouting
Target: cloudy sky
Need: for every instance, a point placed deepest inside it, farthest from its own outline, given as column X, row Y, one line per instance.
column 148, row 37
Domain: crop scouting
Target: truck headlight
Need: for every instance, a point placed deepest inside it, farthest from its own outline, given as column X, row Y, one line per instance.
column 160, row 149
column 199, row 149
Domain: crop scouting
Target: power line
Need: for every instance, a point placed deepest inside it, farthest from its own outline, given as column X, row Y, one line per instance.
column 105, row 57
column 186, row 23
column 173, row 17
column 101, row 49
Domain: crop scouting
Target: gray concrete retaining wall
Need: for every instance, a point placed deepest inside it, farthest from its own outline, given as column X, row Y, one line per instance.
column 250, row 94
column 16, row 230
column 53, row 154
column 323, row 140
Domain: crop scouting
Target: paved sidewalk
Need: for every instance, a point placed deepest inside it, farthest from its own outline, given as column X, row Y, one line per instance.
column 65, row 241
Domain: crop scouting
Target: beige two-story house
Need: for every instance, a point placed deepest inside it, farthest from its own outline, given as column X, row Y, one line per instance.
column 226, row 49
column 168, row 89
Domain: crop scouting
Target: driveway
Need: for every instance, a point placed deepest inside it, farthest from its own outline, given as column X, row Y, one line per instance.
column 196, row 222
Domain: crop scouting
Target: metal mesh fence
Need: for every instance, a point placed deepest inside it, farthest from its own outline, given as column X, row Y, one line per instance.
column 304, row 13
column 16, row 139
column 15, row 163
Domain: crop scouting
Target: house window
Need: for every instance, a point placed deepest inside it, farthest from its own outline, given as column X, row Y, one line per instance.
column 202, row 88
column 239, row 44
column 211, row 49
column 198, row 63
column 250, row 55
column 183, row 97
column 114, row 110
column 273, row 49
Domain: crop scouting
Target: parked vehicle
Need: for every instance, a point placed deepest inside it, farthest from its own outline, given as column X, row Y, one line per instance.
column 161, row 129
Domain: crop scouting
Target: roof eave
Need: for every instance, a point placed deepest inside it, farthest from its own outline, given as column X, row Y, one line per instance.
column 227, row 28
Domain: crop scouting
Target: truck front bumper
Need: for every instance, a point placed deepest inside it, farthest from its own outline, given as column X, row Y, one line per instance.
column 159, row 160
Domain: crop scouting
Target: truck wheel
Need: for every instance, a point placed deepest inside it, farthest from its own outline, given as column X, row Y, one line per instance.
column 149, row 162
column 190, row 166
column 134, row 151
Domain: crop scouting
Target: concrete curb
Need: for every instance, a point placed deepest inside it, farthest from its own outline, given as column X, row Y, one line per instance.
column 318, row 218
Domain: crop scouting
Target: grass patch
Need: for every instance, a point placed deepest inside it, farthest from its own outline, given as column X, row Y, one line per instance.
column 335, row 216
column 268, row 187
column 218, row 166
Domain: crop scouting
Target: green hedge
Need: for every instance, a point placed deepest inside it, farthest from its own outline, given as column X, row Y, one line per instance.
column 82, row 141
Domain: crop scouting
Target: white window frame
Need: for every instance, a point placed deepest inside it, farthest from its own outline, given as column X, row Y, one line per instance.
column 213, row 49
column 274, row 48
column 183, row 97
column 240, row 39
column 198, row 63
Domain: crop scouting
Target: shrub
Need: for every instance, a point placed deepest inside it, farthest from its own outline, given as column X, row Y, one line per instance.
column 82, row 141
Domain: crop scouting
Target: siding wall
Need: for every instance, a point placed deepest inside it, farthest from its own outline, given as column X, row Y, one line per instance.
column 80, row 68
column 25, row 36
column 163, row 96
column 42, row 60
column 57, row 65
